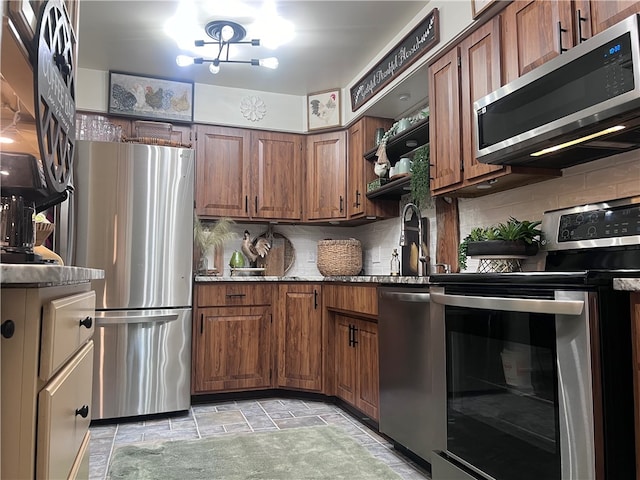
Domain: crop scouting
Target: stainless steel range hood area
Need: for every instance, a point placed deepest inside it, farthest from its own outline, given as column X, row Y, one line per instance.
column 571, row 100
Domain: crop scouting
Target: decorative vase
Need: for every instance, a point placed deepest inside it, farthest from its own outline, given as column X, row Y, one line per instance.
column 237, row 260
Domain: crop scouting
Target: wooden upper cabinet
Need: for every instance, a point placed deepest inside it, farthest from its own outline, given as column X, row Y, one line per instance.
column 444, row 126
column 463, row 75
column 276, row 175
column 598, row 15
column 326, row 178
column 361, row 139
column 222, row 171
column 534, row 31
column 480, row 75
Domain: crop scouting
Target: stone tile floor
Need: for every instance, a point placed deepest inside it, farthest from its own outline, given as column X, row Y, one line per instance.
column 243, row 416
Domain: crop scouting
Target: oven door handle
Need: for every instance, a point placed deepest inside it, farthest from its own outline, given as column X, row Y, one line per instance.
column 528, row 305
column 406, row 296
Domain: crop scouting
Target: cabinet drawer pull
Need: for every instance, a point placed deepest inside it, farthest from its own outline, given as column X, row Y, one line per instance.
column 86, row 322
column 579, row 20
column 232, row 295
column 560, row 32
column 8, row 328
column 83, row 411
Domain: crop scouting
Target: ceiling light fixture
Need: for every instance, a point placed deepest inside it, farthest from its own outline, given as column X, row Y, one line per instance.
column 225, row 33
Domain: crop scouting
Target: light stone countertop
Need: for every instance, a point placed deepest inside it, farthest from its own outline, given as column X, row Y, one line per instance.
column 386, row 279
column 21, row 275
column 628, row 284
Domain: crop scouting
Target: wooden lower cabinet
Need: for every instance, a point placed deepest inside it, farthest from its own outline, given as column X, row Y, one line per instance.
column 356, row 363
column 351, row 314
column 299, row 332
column 233, row 349
column 313, row 337
column 232, row 338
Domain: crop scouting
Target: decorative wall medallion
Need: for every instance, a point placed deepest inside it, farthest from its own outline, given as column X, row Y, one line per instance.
column 253, row 108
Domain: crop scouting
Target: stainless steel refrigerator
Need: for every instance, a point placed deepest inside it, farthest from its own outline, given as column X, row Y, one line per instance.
column 133, row 218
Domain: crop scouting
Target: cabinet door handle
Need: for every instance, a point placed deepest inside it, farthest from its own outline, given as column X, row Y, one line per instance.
column 350, row 335
column 255, row 205
column 201, row 323
column 83, row 411
column 560, row 32
column 579, row 20
column 315, row 299
column 246, row 203
column 357, row 198
column 355, row 342
column 86, row 322
column 341, row 204
column 8, row 328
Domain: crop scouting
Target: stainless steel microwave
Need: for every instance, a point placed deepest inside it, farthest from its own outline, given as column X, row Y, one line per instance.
column 580, row 106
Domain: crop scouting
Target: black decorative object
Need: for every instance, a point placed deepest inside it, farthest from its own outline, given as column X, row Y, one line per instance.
column 55, row 94
column 419, row 41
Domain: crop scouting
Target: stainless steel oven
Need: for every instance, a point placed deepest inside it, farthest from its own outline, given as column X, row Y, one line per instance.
column 539, row 365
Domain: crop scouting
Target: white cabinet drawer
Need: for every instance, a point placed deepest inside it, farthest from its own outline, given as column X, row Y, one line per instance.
column 64, row 416
column 80, row 467
column 66, row 324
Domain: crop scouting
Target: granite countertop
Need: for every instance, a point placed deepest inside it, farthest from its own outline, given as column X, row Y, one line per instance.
column 386, row 279
column 20, row 275
column 628, row 284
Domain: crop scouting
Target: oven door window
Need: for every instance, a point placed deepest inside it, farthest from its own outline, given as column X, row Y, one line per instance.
column 502, row 402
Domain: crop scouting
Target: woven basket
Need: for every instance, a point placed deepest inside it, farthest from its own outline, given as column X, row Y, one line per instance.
column 339, row 257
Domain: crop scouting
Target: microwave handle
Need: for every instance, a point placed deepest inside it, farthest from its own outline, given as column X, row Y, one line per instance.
column 528, row 305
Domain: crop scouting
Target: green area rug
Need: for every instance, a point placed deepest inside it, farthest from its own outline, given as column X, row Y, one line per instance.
column 294, row 454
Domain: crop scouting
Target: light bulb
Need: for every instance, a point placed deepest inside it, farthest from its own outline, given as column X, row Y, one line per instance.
column 227, row 33
column 184, row 60
column 213, row 68
column 271, row 62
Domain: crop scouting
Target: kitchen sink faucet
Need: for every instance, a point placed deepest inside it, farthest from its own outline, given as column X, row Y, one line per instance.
column 422, row 259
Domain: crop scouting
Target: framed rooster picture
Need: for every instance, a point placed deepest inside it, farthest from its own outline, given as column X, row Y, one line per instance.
column 150, row 98
column 323, row 109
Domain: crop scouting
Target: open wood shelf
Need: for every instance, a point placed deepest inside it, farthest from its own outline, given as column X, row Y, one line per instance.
column 393, row 189
column 397, row 145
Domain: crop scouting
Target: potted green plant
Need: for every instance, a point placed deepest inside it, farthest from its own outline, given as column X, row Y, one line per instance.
column 210, row 236
column 513, row 238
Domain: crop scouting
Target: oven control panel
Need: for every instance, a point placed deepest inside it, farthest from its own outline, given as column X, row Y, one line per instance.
column 591, row 226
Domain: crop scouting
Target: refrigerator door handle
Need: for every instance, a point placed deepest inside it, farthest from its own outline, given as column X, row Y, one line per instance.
column 127, row 317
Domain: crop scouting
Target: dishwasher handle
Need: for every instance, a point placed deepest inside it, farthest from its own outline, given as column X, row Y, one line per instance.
column 119, row 318
column 417, row 297
column 527, row 305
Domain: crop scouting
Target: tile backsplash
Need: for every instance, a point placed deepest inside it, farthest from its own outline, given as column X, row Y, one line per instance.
column 605, row 179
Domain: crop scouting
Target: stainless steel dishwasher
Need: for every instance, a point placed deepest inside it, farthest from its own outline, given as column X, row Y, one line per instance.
column 412, row 370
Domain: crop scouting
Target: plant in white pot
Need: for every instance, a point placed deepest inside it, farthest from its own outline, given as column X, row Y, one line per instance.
column 513, row 238
column 210, row 236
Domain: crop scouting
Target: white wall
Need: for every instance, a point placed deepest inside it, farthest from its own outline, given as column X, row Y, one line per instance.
column 212, row 104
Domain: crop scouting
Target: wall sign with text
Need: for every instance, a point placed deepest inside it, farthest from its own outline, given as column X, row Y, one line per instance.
column 419, row 41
